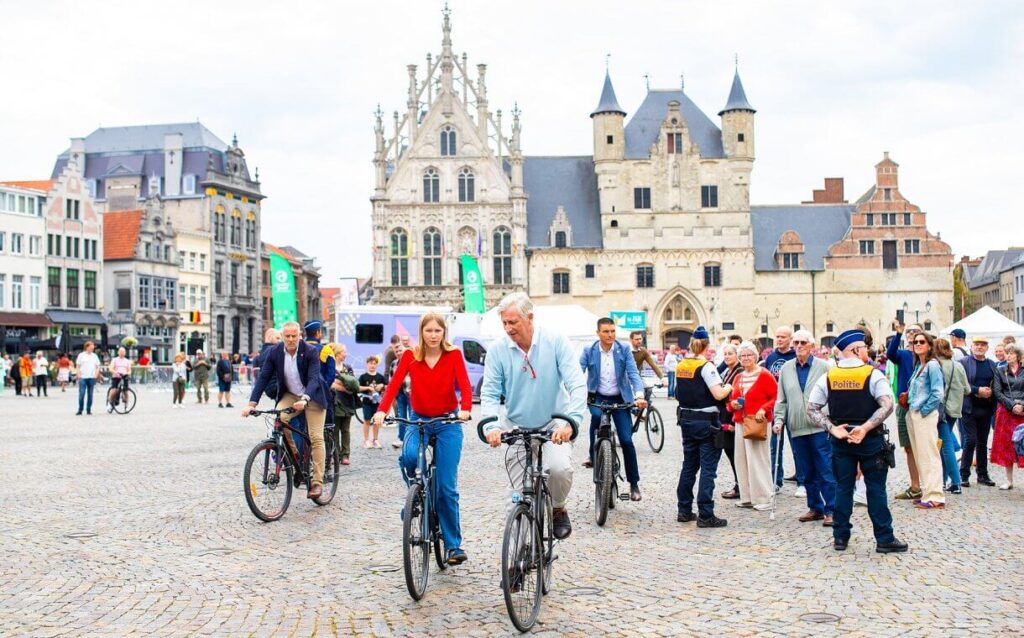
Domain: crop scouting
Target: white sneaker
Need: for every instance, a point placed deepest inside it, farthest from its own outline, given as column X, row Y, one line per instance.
column 396, row 444
column 367, row 444
column 1006, row 486
column 860, row 499
column 376, row 444
column 800, row 492
column 763, row 506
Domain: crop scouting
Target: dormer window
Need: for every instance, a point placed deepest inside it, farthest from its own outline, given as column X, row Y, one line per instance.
column 560, row 239
column 560, row 231
column 447, row 141
column 154, row 186
column 789, row 252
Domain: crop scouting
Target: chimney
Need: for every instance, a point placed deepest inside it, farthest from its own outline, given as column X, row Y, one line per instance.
column 833, row 193
column 173, row 158
column 78, row 153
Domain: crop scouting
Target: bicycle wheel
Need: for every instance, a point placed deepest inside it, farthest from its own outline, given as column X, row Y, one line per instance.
column 547, row 528
column 437, row 542
column 521, row 576
column 603, row 480
column 126, row 402
column 267, row 492
column 415, row 547
column 655, row 430
column 332, row 473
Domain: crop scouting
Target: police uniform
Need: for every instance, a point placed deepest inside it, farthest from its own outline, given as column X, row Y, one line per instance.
column 698, row 419
column 851, row 391
column 328, row 366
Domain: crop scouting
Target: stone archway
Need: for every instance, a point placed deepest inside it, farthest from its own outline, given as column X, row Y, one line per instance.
column 676, row 316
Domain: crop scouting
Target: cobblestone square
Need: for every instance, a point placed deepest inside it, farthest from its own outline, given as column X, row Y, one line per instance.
column 136, row 525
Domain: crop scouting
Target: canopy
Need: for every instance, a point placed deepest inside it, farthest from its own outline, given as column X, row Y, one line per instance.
column 988, row 323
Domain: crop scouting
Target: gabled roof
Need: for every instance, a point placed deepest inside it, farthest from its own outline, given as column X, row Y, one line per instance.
column 569, row 182
column 40, row 185
column 121, row 234
column 608, row 103
column 819, row 226
column 148, row 164
column 149, row 137
column 995, row 262
column 737, row 97
column 644, row 127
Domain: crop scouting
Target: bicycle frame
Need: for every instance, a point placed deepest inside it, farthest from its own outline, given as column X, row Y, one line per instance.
column 606, row 430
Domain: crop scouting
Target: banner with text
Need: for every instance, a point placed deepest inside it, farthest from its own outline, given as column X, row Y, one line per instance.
column 472, row 284
column 282, row 291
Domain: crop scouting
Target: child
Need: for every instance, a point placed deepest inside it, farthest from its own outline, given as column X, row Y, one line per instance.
column 371, row 384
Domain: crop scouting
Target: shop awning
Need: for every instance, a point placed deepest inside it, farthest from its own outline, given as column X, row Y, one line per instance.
column 24, row 320
column 78, row 317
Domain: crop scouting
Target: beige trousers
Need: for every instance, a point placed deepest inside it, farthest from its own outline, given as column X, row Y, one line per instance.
column 753, row 469
column 557, row 462
column 924, row 440
column 315, row 417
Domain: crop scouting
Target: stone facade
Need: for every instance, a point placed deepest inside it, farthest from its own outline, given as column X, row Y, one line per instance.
column 22, row 264
column 194, row 266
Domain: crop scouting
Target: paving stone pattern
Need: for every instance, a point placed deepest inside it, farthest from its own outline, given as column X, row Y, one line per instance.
column 136, row 525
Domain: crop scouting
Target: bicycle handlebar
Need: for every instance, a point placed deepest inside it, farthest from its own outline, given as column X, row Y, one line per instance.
column 517, row 432
column 437, row 419
column 611, row 407
column 273, row 412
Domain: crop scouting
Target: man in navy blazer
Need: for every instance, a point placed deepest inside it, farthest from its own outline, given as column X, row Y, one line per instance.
column 295, row 365
column 612, row 378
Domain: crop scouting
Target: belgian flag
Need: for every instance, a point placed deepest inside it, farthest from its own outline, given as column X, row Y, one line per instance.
column 194, row 317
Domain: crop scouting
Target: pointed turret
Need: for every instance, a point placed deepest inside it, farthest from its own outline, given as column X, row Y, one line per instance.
column 738, row 123
column 737, row 97
column 608, row 102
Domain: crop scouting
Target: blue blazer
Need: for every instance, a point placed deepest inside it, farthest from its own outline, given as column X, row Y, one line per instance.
column 309, row 372
column 626, row 375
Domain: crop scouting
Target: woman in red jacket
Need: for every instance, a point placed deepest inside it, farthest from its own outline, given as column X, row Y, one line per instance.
column 754, row 393
column 435, row 367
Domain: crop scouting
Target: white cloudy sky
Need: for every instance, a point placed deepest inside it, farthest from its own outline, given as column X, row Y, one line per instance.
column 936, row 83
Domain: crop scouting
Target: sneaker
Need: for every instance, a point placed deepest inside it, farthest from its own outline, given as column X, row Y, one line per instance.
column 953, row 489
column 686, row 517
column 220, row 405
column 763, row 507
column 456, row 556
column 376, row 444
column 714, row 521
column 746, row 505
column 367, row 444
column 889, row 548
column 908, row 494
column 395, row 444
column 860, row 499
column 228, row 405
column 800, row 492
column 987, row 482
column 1006, row 486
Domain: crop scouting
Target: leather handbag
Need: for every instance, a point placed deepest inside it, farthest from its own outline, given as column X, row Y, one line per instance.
column 753, row 429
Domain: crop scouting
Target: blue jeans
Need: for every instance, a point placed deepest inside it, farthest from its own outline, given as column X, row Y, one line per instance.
column 623, row 428
column 780, row 443
column 671, row 383
column 813, row 453
column 867, row 454
column 447, row 453
column 85, row 387
column 402, row 411
column 950, row 468
column 699, row 453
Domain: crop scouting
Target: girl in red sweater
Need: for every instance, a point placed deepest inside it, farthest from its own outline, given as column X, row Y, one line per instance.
column 435, row 367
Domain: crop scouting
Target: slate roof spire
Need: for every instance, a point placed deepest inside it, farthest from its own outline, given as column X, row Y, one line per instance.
column 737, row 97
column 608, row 103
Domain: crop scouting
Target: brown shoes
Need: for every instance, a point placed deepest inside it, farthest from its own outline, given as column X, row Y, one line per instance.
column 811, row 515
column 826, row 522
column 315, row 492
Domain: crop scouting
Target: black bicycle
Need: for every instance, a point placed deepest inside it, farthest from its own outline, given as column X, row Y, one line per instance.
column 120, row 397
column 276, row 464
column 420, row 526
column 654, row 425
column 607, row 465
column 529, row 543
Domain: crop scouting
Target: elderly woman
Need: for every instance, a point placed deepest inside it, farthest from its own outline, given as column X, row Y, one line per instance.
column 753, row 396
column 1009, row 391
column 728, row 370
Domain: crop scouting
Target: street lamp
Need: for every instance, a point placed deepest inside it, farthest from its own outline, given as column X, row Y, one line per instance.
column 917, row 311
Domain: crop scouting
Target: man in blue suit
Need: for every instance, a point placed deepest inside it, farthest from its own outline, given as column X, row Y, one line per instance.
column 612, row 378
column 295, row 365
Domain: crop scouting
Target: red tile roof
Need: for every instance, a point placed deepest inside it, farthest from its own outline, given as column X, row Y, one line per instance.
column 41, row 185
column 121, row 234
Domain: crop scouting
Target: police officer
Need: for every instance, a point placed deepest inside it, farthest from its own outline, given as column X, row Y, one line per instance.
column 699, row 389
column 859, row 399
column 328, row 366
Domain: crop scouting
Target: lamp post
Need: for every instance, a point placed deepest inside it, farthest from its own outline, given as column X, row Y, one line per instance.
column 764, row 315
column 917, row 311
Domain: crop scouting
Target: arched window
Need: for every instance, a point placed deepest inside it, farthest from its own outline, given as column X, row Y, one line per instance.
column 560, row 239
column 447, row 141
column 399, row 258
column 502, row 243
column 466, row 185
column 431, row 186
column 431, row 257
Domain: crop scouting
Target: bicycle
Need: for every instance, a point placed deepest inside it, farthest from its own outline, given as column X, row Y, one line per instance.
column 529, row 543
column 607, row 465
column 654, row 425
column 267, row 495
column 421, row 528
column 121, row 398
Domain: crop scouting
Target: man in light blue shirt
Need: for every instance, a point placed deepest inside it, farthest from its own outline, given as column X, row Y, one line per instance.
column 539, row 375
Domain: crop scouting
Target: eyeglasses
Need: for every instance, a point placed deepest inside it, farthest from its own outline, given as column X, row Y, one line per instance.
column 801, row 343
column 529, row 366
column 920, row 342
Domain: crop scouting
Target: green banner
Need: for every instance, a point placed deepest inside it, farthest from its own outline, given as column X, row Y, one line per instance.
column 282, row 290
column 472, row 284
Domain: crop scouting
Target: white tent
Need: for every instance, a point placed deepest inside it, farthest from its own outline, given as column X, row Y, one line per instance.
column 988, row 323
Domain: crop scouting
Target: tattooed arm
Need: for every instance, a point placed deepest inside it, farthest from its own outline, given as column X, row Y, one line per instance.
column 818, row 417
column 885, row 407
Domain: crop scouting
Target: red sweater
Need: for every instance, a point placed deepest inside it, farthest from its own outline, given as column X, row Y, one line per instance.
column 433, row 389
column 761, row 395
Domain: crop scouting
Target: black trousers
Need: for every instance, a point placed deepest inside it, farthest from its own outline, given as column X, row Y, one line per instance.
column 41, row 380
column 976, row 428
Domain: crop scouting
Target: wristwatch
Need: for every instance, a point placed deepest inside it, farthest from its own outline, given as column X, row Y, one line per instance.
column 305, row 398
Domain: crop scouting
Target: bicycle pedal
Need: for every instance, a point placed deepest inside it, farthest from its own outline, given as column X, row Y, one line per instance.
column 623, row 496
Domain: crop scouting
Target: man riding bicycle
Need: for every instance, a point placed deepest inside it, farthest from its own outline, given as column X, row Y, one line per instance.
column 612, row 378
column 534, row 370
column 295, row 365
column 120, row 373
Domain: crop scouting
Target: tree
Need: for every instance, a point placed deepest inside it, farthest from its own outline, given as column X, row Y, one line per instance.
column 962, row 303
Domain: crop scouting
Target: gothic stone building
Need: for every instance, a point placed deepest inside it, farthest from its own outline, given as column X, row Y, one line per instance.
column 658, row 219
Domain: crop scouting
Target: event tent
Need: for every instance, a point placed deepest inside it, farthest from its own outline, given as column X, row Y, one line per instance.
column 988, row 323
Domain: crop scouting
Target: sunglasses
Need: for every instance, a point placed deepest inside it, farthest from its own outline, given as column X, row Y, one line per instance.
column 920, row 342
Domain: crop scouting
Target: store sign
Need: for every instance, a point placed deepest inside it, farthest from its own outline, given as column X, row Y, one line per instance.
column 630, row 319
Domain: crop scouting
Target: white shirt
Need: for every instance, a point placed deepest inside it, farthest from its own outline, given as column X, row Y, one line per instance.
column 40, row 366
column 292, row 380
column 671, row 361
column 88, row 365
column 606, row 384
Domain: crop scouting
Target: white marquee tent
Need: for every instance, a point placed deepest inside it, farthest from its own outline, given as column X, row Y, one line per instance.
column 988, row 323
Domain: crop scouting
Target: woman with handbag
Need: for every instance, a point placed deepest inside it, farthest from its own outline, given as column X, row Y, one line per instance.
column 752, row 402
column 924, row 394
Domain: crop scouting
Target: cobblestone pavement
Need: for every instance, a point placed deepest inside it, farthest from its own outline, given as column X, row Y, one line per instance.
column 117, row 525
